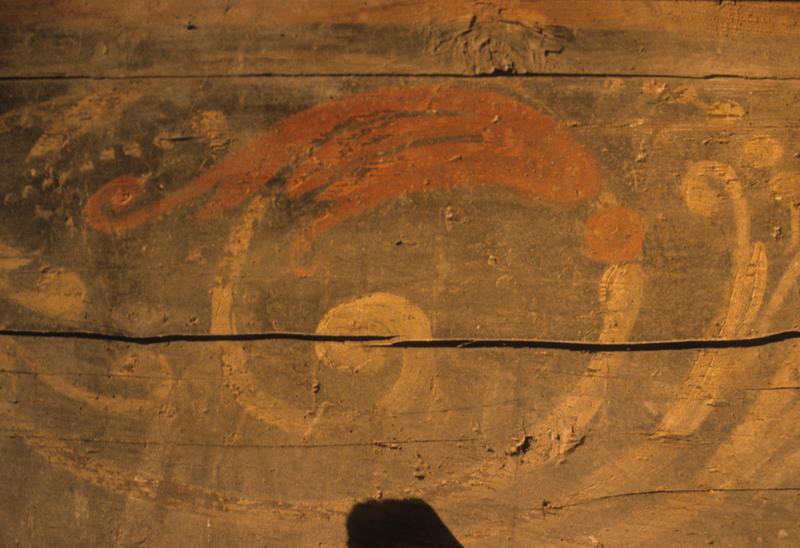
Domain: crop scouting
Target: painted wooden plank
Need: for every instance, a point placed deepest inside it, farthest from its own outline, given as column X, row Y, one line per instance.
column 98, row 39
column 154, row 207
column 386, row 193
column 272, row 442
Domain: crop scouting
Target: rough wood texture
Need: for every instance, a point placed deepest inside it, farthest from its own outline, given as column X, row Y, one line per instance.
column 379, row 189
column 704, row 167
column 93, row 38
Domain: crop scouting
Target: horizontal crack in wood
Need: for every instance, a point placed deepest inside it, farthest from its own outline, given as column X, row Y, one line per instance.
column 386, row 444
column 663, row 492
column 389, row 341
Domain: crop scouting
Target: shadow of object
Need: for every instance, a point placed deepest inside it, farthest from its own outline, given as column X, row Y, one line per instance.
column 409, row 523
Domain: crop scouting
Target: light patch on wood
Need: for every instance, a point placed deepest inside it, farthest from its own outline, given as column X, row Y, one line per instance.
column 91, row 111
column 762, row 151
column 238, row 378
column 786, row 190
column 213, row 127
column 713, row 373
column 12, row 258
column 613, row 85
column 132, row 149
column 726, row 110
column 374, row 314
column 621, row 291
column 58, row 294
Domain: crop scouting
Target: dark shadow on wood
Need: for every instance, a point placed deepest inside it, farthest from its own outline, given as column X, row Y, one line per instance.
column 397, row 523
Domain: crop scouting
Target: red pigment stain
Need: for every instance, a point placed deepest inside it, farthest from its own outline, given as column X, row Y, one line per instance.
column 359, row 151
column 613, row 235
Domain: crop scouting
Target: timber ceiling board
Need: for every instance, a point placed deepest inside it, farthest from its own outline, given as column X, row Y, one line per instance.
column 311, row 173
column 257, row 453
column 126, row 199
column 187, row 38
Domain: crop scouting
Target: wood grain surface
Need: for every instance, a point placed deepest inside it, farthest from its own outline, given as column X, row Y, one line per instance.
column 157, row 38
column 260, row 261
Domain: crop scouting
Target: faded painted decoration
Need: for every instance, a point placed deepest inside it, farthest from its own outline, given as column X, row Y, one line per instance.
column 362, row 217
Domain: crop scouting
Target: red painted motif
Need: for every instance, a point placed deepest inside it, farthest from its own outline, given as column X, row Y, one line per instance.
column 357, row 152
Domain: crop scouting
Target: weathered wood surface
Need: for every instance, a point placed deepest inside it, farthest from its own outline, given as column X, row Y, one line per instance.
column 588, row 209
column 704, row 166
column 163, row 446
column 93, row 38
